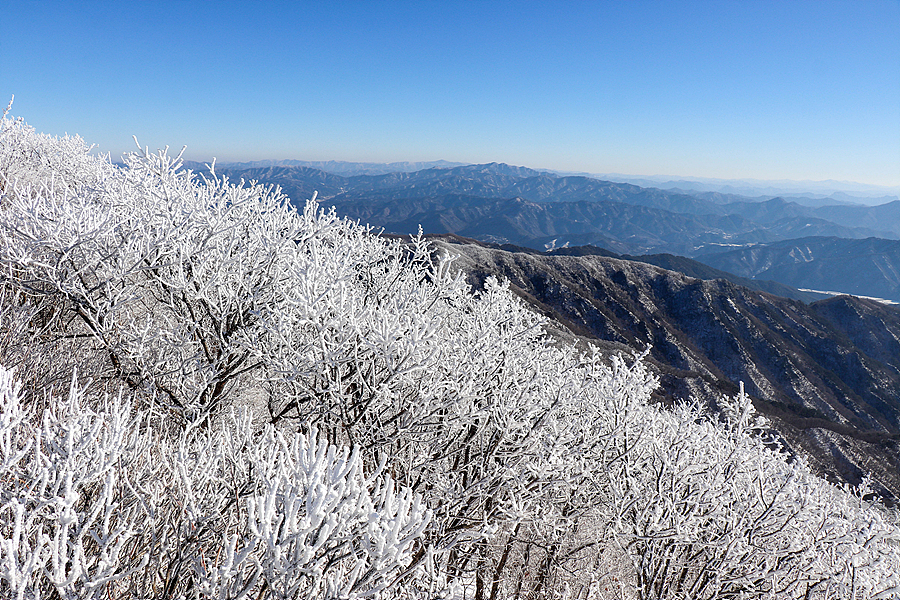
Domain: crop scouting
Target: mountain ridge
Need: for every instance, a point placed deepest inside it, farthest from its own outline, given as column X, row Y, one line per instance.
column 815, row 192
column 828, row 366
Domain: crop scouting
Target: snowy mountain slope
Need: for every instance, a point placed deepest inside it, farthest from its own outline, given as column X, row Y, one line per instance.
column 834, row 364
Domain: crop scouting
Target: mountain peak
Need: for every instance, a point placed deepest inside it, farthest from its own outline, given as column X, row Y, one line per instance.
column 505, row 169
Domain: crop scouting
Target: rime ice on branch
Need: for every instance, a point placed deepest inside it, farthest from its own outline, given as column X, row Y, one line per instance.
column 420, row 439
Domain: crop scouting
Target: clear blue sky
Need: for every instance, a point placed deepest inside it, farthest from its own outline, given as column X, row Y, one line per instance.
column 771, row 90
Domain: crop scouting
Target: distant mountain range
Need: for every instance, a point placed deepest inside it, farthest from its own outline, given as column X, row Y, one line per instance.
column 504, row 204
column 498, row 181
column 807, row 193
column 335, row 167
column 815, row 193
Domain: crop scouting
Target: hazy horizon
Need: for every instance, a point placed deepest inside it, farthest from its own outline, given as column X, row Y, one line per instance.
column 810, row 187
column 798, row 91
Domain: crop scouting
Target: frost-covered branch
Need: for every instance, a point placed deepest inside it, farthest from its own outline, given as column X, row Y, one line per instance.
column 96, row 503
column 422, row 439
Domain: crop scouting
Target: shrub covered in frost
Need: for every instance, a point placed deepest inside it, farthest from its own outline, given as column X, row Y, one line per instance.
column 419, row 438
column 97, row 503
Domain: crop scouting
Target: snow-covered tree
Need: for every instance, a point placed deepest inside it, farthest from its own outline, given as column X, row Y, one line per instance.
column 709, row 509
column 97, row 503
column 418, row 438
column 164, row 274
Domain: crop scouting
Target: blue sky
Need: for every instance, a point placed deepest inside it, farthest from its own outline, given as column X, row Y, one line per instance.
column 768, row 90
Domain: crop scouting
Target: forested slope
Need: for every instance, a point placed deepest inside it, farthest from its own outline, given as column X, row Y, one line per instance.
column 833, row 364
